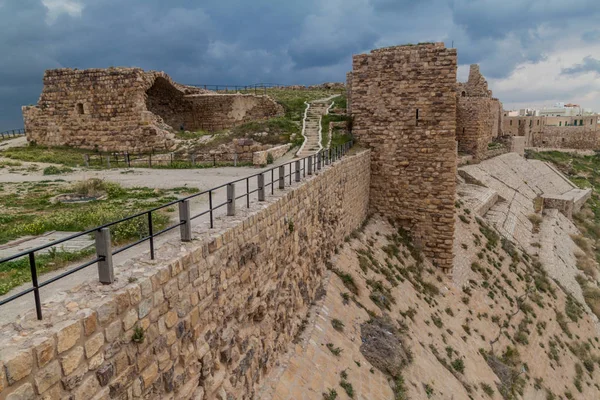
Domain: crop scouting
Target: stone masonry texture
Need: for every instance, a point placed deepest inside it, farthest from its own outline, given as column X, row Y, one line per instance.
column 404, row 109
column 478, row 115
column 577, row 132
column 128, row 109
column 211, row 316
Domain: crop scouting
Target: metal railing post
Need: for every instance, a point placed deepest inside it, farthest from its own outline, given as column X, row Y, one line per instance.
column 106, row 274
column 261, row 187
column 34, row 282
column 297, row 171
column 230, row 199
column 184, row 217
column 282, row 177
column 310, row 165
column 319, row 160
column 151, row 235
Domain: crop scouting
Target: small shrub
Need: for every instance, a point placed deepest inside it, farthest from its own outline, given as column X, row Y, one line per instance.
column 337, row 325
column 270, row 158
column 138, row 335
column 458, row 365
column 330, row 395
column 347, row 386
column 487, row 389
column 53, row 170
column 336, row 351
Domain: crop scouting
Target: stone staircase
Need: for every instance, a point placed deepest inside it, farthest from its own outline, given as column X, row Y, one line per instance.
column 312, row 126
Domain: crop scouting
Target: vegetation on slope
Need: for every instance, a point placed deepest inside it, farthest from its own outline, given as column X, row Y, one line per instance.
column 584, row 171
column 509, row 331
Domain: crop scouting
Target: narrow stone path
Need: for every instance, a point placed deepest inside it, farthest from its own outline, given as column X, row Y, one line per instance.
column 312, row 126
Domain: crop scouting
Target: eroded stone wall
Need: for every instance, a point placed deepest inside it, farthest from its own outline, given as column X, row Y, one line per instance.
column 580, row 132
column 219, row 111
column 212, row 315
column 128, row 109
column 566, row 137
column 478, row 115
column 404, row 108
column 97, row 108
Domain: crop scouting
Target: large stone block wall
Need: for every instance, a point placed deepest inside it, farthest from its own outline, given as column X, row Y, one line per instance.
column 97, row 108
column 349, row 93
column 215, row 313
column 478, row 115
column 128, row 109
column 404, row 108
column 218, row 111
column 566, row 137
column 580, row 132
column 476, row 124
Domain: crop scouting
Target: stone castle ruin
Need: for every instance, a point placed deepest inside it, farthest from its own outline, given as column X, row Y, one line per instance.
column 576, row 132
column 218, row 313
column 404, row 109
column 478, row 115
column 129, row 109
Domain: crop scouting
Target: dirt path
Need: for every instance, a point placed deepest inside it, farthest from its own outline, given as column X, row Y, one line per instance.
column 156, row 178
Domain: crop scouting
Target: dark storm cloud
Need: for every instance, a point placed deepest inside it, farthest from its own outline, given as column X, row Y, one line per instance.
column 241, row 42
column 589, row 64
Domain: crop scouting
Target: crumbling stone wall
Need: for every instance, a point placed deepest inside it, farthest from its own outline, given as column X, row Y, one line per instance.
column 566, row 137
column 215, row 313
column 580, row 132
column 349, row 93
column 128, row 109
column 219, row 111
column 404, row 108
column 478, row 115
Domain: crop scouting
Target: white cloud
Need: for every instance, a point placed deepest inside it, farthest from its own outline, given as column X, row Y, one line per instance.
column 544, row 83
column 58, row 7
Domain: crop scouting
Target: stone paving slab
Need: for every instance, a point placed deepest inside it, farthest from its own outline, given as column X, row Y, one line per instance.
column 31, row 242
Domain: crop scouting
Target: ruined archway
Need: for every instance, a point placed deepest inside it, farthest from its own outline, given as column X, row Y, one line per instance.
column 169, row 103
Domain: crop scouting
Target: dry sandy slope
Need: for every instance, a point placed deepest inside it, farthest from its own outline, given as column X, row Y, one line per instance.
column 440, row 328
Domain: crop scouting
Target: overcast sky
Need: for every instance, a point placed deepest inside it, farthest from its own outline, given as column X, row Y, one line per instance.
column 533, row 52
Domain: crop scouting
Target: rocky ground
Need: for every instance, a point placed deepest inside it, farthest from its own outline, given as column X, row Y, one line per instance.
column 390, row 326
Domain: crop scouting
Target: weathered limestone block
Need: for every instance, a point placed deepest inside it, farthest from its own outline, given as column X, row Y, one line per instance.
column 47, row 377
column 71, row 361
column 17, row 364
column 67, row 334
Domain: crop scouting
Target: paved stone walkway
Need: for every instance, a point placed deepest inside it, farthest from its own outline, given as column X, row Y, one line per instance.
column 312, row 126
column 31, row 242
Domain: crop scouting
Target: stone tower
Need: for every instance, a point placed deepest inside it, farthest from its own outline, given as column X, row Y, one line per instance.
column 404, row 109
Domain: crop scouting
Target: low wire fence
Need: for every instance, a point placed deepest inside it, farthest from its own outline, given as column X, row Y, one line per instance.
column 258, row 88
column 266, row 181
column 166, row 160
column 12, row 133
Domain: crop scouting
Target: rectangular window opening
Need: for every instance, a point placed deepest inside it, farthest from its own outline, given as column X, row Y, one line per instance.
column 80, row 108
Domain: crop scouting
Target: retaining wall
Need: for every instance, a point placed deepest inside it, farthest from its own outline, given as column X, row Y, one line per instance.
column 215, row 313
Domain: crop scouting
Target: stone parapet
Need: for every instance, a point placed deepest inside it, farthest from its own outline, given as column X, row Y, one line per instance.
column 206, row 319
column 261, row 157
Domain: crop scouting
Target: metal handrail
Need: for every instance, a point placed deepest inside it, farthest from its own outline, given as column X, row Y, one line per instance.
column 13, row 132
column 315, row 162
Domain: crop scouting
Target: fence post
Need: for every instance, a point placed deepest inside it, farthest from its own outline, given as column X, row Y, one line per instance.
column 261, row 187
column 310, row 165
column 106, row 273
column 297, row 172
column 235, row 157
column 282, row 177
column 230, row 199
column 184, row 217
column 108, row 161
column 319, row 160
column 86, row 160
column 150, row 160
